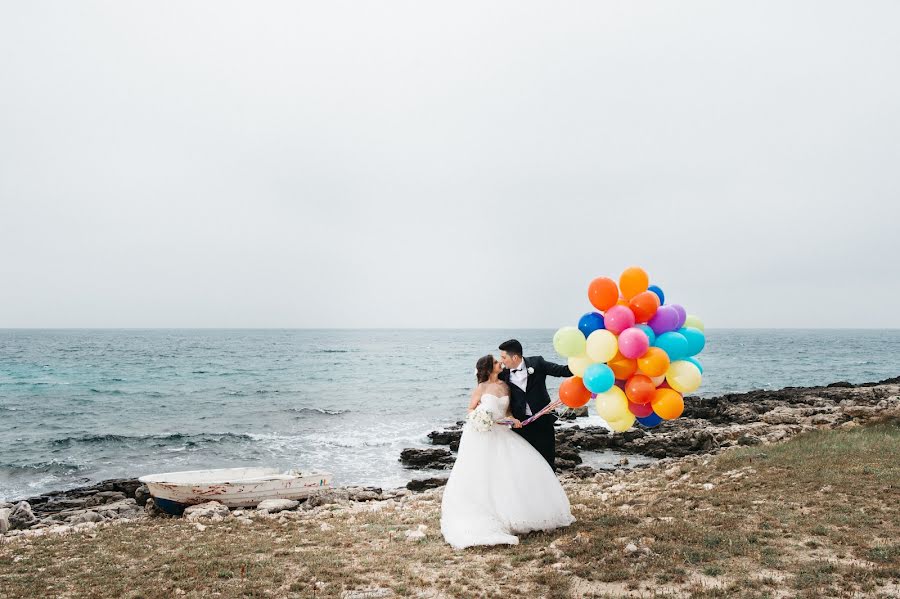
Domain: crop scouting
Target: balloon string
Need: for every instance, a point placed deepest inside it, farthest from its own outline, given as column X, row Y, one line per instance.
column 548, row 408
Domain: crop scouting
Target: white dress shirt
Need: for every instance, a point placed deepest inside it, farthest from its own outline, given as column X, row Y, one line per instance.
column 518, row 376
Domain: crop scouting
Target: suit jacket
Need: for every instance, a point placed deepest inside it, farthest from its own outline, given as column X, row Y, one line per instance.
column 535, row 394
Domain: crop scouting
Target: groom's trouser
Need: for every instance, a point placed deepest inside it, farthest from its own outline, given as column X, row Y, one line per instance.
column 542, row 437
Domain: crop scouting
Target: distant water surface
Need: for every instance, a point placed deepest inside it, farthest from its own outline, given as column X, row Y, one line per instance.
column 82, row 405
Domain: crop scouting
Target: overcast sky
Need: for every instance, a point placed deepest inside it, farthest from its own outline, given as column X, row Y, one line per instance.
column 454, row 164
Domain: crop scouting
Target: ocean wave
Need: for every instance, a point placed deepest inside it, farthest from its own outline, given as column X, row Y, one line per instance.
column 53, row 467
column 157, row 440
column 317, row 411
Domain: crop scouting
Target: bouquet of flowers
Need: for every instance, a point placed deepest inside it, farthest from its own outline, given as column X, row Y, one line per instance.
column 480, row 420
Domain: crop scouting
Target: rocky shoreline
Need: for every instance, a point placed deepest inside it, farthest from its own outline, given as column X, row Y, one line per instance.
column 709, row 425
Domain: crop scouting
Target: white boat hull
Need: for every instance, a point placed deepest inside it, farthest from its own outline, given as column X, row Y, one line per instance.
column 233, row 487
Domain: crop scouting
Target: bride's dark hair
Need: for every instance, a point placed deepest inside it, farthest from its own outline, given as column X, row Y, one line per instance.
column 484, row 367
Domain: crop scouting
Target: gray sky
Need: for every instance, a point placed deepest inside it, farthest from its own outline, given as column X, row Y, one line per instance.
column 456, row 164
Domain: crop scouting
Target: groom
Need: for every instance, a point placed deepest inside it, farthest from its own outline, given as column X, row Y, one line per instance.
column 527, row 380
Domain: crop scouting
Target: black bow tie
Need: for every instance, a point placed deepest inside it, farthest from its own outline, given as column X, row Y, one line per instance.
column 517, row 370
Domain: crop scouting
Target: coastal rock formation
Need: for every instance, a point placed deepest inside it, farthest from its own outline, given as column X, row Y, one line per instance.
column 709, row 424
column 426, row 483
column 434, row 459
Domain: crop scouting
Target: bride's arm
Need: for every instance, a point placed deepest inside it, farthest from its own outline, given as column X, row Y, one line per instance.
column 516, row 422
column 476, row 398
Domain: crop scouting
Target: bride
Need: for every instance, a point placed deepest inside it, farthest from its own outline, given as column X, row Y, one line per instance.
column 500, row 485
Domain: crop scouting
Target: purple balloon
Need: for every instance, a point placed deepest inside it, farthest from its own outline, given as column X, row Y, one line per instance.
column 665, row 320
column 682, row 315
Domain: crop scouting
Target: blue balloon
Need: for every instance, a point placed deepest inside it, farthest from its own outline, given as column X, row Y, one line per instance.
column 590, row 322
column 674, row 344
column 650, row 334
column 695, row 338
column 696, row 363
column 659, row 293
column 651, row 420
column 599, row 378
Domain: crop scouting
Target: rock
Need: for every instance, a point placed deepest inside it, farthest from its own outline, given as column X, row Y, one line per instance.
column 325, row 527
column 141, row 495
column 416, row 535
column 212, row 510
column 104, row 497
column 708, row 486
column 445, row 437
column 631, row 548
column 152, row 511
column 4, row 519
column 273, row 506
column 365, row 495
column 839, row 385
column 86, row 516
column 21, row 516
column 563, row 464
column 371, row 593
column 326, row 497
column 426, row 483
column 125, row 509
column 435, row 459
column 749, row 440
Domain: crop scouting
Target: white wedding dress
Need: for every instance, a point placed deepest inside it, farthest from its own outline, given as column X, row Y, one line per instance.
column 500, row 486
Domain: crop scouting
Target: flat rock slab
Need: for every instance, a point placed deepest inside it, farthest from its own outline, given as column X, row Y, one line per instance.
column 277, row 505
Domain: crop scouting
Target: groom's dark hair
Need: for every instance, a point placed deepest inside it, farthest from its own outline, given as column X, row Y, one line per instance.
column 511, row 347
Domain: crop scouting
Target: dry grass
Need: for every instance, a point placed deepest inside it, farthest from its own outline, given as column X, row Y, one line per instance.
column 813, row 517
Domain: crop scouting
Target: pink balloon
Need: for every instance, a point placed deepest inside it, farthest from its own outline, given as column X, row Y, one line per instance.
column 633, row 343
column 641, row 410
column 618, row 318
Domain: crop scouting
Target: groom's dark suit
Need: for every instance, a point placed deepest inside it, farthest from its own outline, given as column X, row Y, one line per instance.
column 539, row 433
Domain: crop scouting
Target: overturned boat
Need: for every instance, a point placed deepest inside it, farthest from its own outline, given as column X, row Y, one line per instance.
column 234, row 487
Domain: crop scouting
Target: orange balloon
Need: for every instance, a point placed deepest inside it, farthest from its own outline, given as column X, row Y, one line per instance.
column 667, row 403
column 573, row 393
column 622, row 367
column 644, row 305
column 633, row 281
column 640, row 389
column 603, row 293
column 654, row 363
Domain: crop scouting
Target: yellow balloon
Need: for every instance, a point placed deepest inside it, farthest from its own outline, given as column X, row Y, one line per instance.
column 612, row 405
column 623, row 424
column 683, row 376
column 578, row 364
column 602, row 346
column 693, row 321
column 568, row 341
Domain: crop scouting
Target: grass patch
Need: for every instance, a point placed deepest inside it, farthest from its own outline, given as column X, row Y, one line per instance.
column 813, row 517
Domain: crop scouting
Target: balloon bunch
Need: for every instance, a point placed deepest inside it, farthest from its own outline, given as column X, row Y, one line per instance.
column 636, row 355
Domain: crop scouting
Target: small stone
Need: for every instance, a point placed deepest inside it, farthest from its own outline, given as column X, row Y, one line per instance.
column 631, row 548
column 708, row 486
column 212, row 510
column 87, row 516
column 277, row 505
column 4, row 520
column 141, row 495
column 199, row 526
column 325, row 527
column 21, row 516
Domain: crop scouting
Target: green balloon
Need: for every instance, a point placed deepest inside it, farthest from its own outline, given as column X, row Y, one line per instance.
column 568, row 342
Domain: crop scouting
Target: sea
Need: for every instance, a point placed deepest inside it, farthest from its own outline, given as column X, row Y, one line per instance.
column 80, row 406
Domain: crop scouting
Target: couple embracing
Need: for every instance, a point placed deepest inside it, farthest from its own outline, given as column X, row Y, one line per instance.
column 503, row 483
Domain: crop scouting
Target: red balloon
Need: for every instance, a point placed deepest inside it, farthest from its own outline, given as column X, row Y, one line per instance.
column 573, row 393
column 640, row 389
column 603, row 293
column 644, row 305
column 640, row 410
